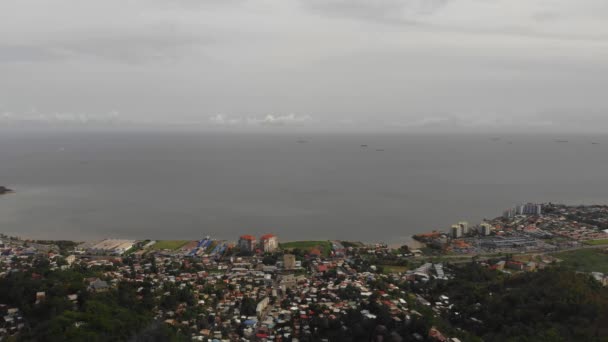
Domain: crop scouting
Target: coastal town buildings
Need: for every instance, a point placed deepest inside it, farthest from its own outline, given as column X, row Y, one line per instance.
column 269, row 243
column 456, row 231
column 529, row 209
column 532, row 209
column 247, row 243
column 113, row 246
column 486, row 229
column 209, row 290
column 464, row 226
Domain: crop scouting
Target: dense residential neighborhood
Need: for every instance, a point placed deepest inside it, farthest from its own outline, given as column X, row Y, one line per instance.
column 258, row 289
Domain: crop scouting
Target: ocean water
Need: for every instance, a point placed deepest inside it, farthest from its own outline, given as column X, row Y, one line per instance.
column 177, row 185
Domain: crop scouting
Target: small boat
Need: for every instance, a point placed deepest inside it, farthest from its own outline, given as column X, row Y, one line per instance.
column 364, row 145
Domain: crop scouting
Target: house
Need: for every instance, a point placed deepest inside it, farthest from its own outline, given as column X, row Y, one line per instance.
column 530, row 266
column 40, row 297
column 515, row 265
column 70, row 259
column 98, row 285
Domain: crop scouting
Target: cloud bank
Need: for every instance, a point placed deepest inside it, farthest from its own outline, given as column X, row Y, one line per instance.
column 356, row 64
column 268, row 120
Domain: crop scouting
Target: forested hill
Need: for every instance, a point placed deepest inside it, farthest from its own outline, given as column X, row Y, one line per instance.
column 550, row 305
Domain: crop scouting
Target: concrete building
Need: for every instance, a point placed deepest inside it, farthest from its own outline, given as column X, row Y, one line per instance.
column 247, row 243
column 259, row 309
column 456, row 231
column 111, row 246
column 269, row 243
column 465, row 227
column 486, row 229
column 509, row 213
column 289, row 261
column 529, row 209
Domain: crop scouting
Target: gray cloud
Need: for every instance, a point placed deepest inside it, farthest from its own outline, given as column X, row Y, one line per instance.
column 267, row 120
column 358, row 64
column 389, row 11
column 33, row 118
column 21, row 53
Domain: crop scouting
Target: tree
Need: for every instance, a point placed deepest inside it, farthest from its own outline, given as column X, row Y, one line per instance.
column 248, row 306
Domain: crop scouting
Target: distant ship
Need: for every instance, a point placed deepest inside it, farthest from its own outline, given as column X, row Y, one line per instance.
column 5, row 190
column 363, row 145
column 595, row 143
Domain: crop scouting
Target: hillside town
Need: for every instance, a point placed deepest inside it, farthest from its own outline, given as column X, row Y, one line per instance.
column 258, row 289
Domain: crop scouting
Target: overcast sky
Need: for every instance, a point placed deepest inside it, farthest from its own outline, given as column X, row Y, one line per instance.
column 340, row 64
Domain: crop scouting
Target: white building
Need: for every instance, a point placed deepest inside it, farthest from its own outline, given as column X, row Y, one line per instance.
column 486, row 229
column 465, row 227
column 456, row 231
column 529, row 209
column 269, row 243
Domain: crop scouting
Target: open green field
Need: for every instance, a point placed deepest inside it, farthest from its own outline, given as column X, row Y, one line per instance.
column 597, row 242
column 323, row 246
column 585, row 260
column 387, row 269
column 354, row 244
column 169, row 244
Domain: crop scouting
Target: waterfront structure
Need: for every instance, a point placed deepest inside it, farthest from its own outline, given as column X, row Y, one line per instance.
column 247, row 243
column 269, row 243
column 112, row 246
column 289, row 261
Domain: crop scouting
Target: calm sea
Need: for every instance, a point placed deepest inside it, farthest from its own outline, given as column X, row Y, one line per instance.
column 299, row 186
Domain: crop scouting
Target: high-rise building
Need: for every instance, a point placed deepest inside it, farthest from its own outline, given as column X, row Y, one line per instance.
column 465, row 227
column 269, row 243
column 486, row 228
column 247, row 243
column 529, row 209
column 289, row 261
column 509, row 213
column 456, row 231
